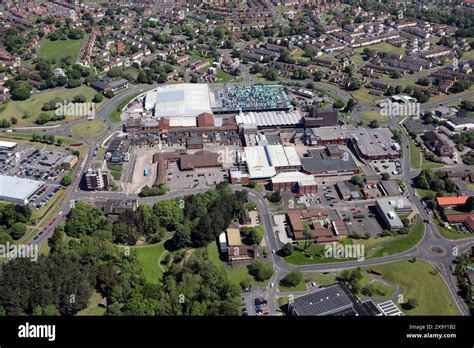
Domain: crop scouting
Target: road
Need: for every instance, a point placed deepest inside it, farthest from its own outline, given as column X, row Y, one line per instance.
column 423, row 250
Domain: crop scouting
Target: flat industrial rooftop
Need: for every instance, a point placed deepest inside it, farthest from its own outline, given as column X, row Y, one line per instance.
column 182, row 100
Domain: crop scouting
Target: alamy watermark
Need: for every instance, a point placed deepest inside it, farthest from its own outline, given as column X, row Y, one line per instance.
column 12, row 251
column 349, row 251
column 393, row 109
column 68, row 108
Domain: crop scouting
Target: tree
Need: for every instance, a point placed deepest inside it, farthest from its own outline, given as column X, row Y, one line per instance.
column 411, row 303
column 292, row 279
column 339, row 104
column 385, row 176
column 261, row 271
column 66, row 180
column 358, row 180
column 21, row 91
column 256, row 235
column 98, row 98
column 18, row 230
column 469, row 205
column 182, row 236
column 274, row 197
column 374, row 124
column 287, row 249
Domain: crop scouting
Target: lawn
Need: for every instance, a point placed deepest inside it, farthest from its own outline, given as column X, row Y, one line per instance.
column 89, row 129
column 224, row 77
column 300, row 287
column 470, row 187
column 61, row 48
column 148, row 257
column 384, row 47
column 425, row 164
column 415, row 155
column 362, row 95
column 315, row 254
column 93, row 307
column 235, row 275
column 373, row 115
column 419, row 280
column 394, row 245
column 115, row 170
column 32, row 106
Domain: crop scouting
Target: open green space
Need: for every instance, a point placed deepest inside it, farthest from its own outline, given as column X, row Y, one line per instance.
column 362, row 95
column 422, row 282
column 314, row 254
column 300, row 287
column 89, row 129
column 415, row 155
column 384, row 47
column 425, row 164
column 149, row 257
column 371, row 115
column 61, row 48
column 93, row 308
column 386, row 246
column 32, row 106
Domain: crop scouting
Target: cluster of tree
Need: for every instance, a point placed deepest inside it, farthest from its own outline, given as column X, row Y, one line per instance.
column 198, row 288
column 261, row 271
column 274, row 197
column 353, row 277
column 13, row 220
column 287, row 250
column 66, row 33
column 47, row 139
column 460, row 86
column 435, row 181
column 14, row 42
column 159, row 190
column 292, row 279
column 352, row 84
column 20, row 90
column 252, row 235
column 358, row 180
column 45, row 117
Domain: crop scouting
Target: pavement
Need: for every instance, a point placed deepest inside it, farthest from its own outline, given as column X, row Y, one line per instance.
column 422, row 251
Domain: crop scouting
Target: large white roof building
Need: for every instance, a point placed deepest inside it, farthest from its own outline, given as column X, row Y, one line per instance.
column 18, row 190
column 180, row 100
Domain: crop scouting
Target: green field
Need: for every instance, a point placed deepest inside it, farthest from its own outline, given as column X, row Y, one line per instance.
column 315, row 254
column 419, row 280
column 425, row 164
column 33, row 105
column 300, row 287
column 415, row 155
column 89, row 129
column 93, row 307
column 384, row 47
column 61, row 48
column 362, row 95
column 148, row 257
column 393, row 245
column 373, row 115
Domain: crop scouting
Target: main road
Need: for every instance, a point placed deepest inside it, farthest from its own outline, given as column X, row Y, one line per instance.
column 424, row 250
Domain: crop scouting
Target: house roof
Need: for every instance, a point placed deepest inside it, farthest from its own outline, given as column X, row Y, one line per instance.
column 295, row 221
column 454, row 200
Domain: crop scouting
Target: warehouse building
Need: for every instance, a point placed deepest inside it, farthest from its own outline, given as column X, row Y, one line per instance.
column 388, row 209
column 18, row 190
column 329, row 161
column 179, row 100
column 7, row 145
column 263, row 162
column 297, row 182
column 270, row 119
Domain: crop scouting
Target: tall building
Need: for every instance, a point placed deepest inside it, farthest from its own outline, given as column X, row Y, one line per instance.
column 97, row 179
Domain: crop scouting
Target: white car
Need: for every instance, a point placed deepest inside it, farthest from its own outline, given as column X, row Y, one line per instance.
column 271, row 285
column 273, row 251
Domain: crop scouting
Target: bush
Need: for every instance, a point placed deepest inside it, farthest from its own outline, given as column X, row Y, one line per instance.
column 261, row 271
column 274, row 197
column 292, row 279
column 153, row 191
column 287, row 249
